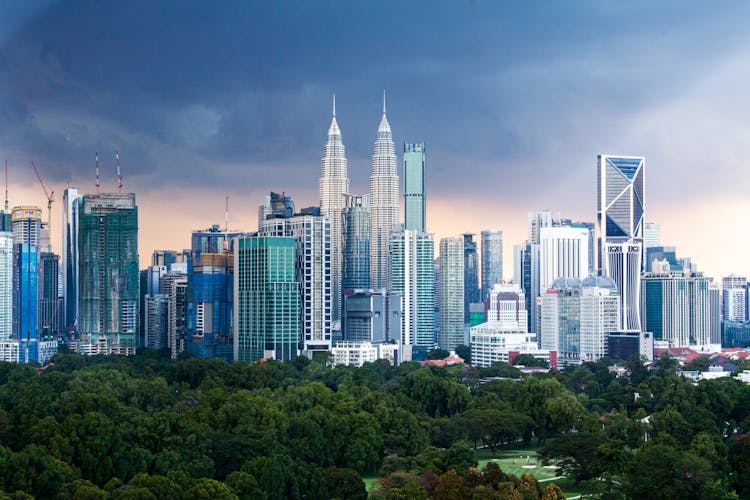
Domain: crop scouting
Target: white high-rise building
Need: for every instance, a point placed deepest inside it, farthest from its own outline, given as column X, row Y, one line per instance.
column 560, row 328
column 538, row 220
column 564, row 253
column 651, row 235
column 451, row 331
column 600, row 316
column 334, row 183
column 6, row 287
column 492, row 260
column 621, row 207
column 733, row 294
column 313, row 236
column 506, row 304
column 384, row 203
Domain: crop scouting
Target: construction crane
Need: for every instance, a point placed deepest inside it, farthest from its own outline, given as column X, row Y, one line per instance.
column 50, row 198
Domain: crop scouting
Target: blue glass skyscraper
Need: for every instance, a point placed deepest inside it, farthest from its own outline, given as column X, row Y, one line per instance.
column 25, row 269
column 414, row 199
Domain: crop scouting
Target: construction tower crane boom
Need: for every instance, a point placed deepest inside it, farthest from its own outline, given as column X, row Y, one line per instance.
column 50, row 197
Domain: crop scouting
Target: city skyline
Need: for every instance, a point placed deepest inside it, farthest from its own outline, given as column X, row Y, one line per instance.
column 597, row 94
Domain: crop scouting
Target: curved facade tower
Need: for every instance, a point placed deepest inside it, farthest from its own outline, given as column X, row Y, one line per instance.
column 334, row 183
column 384, row 207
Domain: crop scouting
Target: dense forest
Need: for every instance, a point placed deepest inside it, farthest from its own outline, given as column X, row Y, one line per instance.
column 147, row 427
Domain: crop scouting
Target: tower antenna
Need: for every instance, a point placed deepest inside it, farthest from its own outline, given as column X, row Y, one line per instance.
column 6, row 186
column 334, row 104
column 119, row 175
column 226, row 225
column 97, row 173
column 383, row 101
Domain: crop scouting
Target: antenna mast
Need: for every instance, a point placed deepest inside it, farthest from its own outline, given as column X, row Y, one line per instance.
column 226, row 224
column 119, row 175
column 97, row 173
column 6, row 186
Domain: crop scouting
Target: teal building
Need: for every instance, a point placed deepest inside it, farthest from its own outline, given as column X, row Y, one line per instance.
column 414, row 202
column 267, row 322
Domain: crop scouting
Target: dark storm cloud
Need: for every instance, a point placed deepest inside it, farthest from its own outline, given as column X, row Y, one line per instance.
column 238, row 93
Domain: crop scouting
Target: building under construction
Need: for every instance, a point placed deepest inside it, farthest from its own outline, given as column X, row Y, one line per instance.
column 108, row 274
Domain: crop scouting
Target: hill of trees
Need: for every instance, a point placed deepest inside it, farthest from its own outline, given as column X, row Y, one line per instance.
column 148, row 427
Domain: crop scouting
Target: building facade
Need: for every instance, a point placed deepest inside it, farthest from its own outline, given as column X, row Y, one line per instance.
column 561, row 319
column 71, row 201
column 384, row 204
column 452, row 255
column 412, row 261
column 371, row 316
column 599, row 316
column 108, row 274
column 472, row 292
column 564, row 253
column 414, row 186
column 506, row 305
column 267, row 303
column 492, row 260
column 357, row 231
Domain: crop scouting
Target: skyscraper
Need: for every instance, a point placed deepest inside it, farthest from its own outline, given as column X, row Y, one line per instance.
column 412, row 254
column 620, row 218
column 267, row 299
column 651, row 235
column 108, row 274
column 564, row 253
column 384, row 206
column 334, row 183
column 49, row 301
column 275, row 205
column 6, row 288
column 452, row 257
column 506, row 304
column 312, row 234
column 25, row 274
column 357, row 233
column 600, row 316
column 27, row 225
column 526, row 274
column 733, row 292
column 472, row 292
column 561, row 319
column 414, row 199
column 538, row 220
column 71, row 200
column 492, row 260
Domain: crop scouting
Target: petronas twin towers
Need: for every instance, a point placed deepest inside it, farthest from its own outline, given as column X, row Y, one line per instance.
column 384, row 203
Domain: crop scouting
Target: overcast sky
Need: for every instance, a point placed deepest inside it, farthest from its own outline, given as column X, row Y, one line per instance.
column 514, row 100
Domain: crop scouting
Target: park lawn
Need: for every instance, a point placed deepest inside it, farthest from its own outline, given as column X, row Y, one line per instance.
column 369, row 480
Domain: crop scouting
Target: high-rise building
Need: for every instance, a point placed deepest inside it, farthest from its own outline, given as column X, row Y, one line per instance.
column 733, row 292
column 108, row 277
column 210, row 305
column 561, row 319
column 213, row 240
column 71, row 201
column 600, row 316
column 506, row 304
column 492, row 260
column 451, row 333
column 156, row 321
column 564, row 253
column 49, row 296
column 538, row 220
column 472, row 292
column 6, row 288
column 621, row 206
column 651, row 235
column 412, row 261
column 25, row 275
column 334, row 184
column 526, row 274
column 313, row 237
column 357, row 233
column 27, row 225
column 414, row 190
column 267, row 299
column 384, row 206
column 275, row 205
column 371, row 316
column 680, row 308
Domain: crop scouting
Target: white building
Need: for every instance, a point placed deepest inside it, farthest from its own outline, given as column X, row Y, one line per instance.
column 314, row 241
column 651, row 235
column 451, row 333
column 506, row 304
column 561, row 324
column 494, row 342
column 384, row 204
column 599, row 316
column 734, row 291
column 334, row 184
column 351, row 353
column 564, row 253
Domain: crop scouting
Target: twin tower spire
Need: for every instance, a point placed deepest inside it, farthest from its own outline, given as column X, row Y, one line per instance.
column 384, row 202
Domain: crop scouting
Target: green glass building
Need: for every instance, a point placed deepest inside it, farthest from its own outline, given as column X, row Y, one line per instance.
column 108, row 274
column 267, row 299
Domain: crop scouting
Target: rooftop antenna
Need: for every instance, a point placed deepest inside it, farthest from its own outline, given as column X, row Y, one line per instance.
column 119, row 175
column 334, row 104
column 6, row 186
column 97, row 173
column 383, row 101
